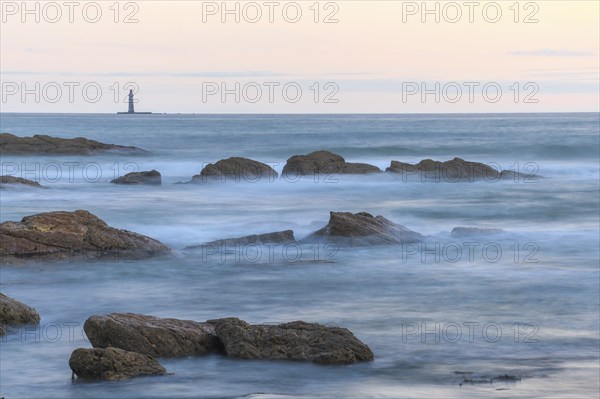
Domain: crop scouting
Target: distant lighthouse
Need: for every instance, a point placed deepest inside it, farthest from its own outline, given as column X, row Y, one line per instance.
column 130, row 109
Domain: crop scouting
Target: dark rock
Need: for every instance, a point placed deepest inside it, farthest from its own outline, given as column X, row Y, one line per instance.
column 473, row 231
column 297, row 340
column 279, row 237
column 519, row 177
column 112, row 364
column 4, row 180
column 46, row 145
column 152, row 336
column 58, row 235
column 13, row 312
column 146, row 177
column 356, row 229
column 236, row 169
column 453, row 170
column 476, row 378
column 324, row 162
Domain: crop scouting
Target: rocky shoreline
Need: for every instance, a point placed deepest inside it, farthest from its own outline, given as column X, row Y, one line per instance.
column 239, row 169
column 126, row 344
column 80, row 235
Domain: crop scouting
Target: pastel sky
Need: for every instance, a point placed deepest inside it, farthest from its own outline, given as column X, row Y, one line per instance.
column 378, row 57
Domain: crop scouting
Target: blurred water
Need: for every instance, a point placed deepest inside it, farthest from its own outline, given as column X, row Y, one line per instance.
column 530, row 310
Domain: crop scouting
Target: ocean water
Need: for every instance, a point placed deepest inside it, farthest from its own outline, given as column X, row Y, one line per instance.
column 522, row 303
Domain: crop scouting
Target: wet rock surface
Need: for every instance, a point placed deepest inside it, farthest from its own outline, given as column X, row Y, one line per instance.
column 278, row 237
column 454, row 170
column 59, row 235
column 233, row 337
column 236, row 169
column 46, row 145
column 151, row 177
column 359, row 229
column 324, row 162
column 152, row 336
column 112, row 364
column 13, row 313
column 297, row 340
column 12, row 180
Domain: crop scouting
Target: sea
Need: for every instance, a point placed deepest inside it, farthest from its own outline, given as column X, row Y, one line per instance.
column 513, row 314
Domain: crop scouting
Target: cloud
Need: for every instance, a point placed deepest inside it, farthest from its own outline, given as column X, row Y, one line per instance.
column 553, row 53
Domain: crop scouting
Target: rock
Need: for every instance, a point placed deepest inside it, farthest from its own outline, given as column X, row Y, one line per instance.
column 59, row 235
column 152, row 336
column 454, row 170
column 279, row 237
column 147, row 177
column 46, row 145
column 236, row 169
column 469, row 377
column 297, row 340
column 473, row 231
column 362, row 228
column 112, row 364
column 519, row 177
column 12, row 180
column 324, row 162
column 13, row 312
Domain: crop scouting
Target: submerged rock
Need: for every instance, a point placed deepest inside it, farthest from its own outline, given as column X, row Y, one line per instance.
column 469, row 377
column 46, row 145
column 279, row 237
column 12, row 180
column 152, row 336
column 233, row 337
column 357, row 229
column 112, row 364
column 324, row 162
column 236, row 169
column 59, row 235
column 13, row 312
column 146, row 177
column 473, row 231
column 297, row 340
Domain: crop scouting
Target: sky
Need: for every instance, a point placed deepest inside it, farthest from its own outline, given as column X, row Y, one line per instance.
column 300, row 57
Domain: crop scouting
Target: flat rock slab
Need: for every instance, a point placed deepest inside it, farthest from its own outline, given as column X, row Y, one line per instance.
column 13, row 180
column 278, row 237
column 56, row 234
column 151, row 177
column 324, row 162
column 152, row 336
column 112, row 364
column 46, row 145
column 13, row 312
column 297, row 340
column 360, row 229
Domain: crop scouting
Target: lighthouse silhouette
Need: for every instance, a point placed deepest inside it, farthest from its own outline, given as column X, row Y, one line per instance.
column 130, row 108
